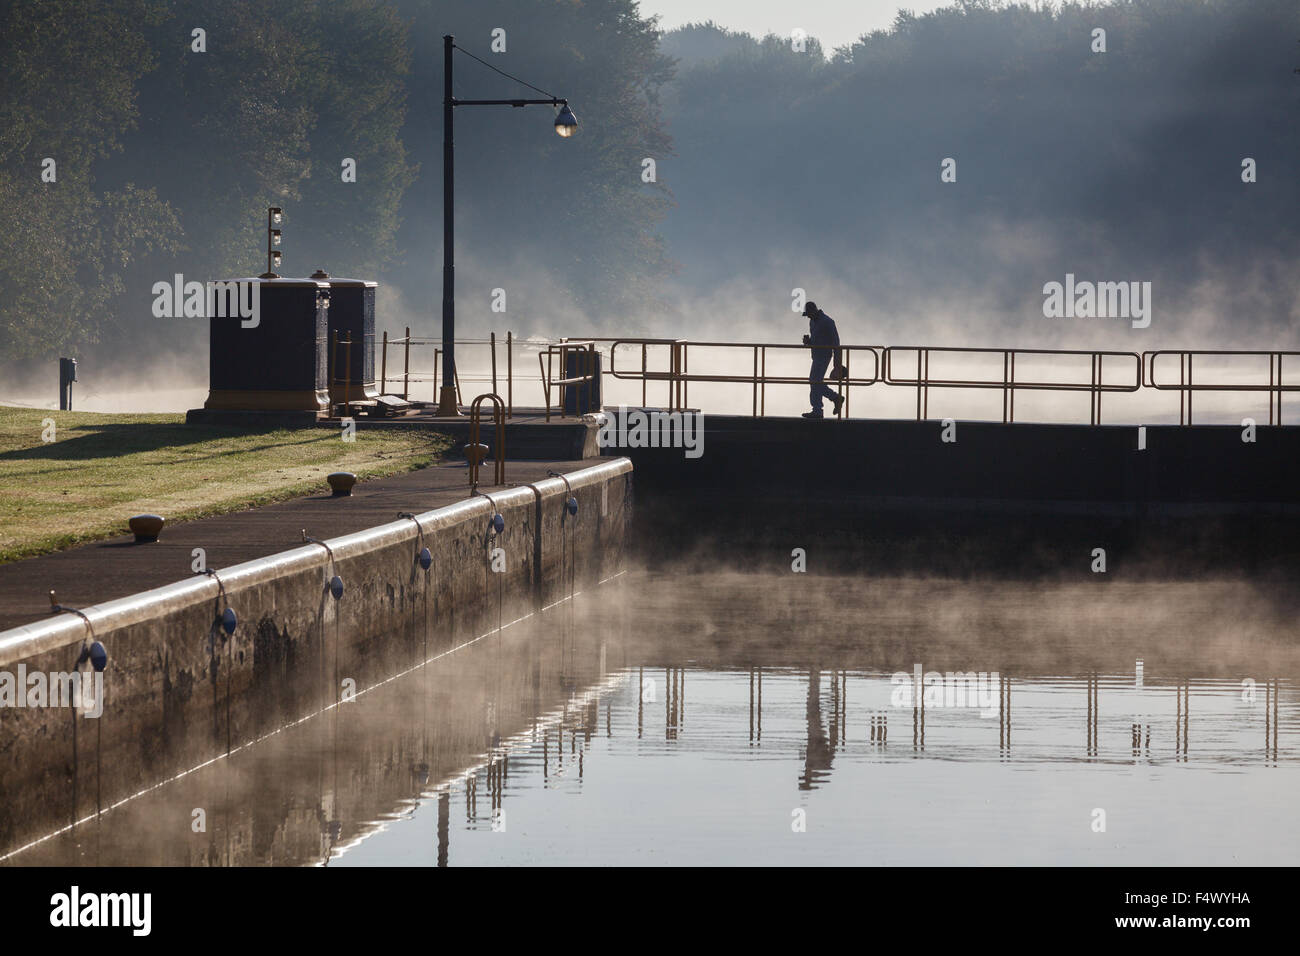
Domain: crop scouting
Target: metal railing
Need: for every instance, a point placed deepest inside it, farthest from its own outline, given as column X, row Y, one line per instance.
column 1186, row 387
column 678, row 375
column 474, row 448
column 758, row 365
column 1096, row 385
column 585, row 363
column 883, row 358
column 416, row 376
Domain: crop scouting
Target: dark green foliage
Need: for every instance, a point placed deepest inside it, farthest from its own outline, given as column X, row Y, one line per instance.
column 1125, row 163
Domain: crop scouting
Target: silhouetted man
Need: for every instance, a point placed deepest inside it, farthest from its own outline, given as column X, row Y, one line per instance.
column 821, row 747
column 824, row 340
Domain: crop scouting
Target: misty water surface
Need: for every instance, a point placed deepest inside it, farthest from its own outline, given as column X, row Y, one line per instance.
column 696, row 717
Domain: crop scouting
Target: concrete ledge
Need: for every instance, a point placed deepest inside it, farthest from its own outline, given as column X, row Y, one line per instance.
column 178, row 691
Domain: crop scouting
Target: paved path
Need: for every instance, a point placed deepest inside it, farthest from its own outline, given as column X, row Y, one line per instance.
column 113, row 568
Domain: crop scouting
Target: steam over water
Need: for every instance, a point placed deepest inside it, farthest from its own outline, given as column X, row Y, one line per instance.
column 685, row 717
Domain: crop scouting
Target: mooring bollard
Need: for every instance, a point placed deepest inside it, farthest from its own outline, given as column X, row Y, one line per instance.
column 341, row 483
column 146, row 527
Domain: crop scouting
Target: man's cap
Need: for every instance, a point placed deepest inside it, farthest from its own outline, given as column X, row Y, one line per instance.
column 810, row 309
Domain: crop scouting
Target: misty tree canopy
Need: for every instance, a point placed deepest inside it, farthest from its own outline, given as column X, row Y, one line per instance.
column 770, row 160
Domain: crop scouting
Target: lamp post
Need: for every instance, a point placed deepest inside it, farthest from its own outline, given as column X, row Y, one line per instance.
column 566, row 124
column 273, row 216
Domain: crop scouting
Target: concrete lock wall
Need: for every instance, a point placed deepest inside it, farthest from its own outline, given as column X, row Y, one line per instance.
column 178, row 691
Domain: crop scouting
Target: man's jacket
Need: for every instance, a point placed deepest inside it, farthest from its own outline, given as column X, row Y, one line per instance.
column 823, row 337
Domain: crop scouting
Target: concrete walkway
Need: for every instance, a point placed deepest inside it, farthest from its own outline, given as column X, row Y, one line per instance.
column 116, row 567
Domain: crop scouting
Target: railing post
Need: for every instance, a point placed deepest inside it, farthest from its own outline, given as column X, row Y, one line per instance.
column 1182, row 381
column 383, row 366
column 564, row 365
column 681, row 370
column 1006, row 361
column 1092, row 388
column 1013, row 386
column 406, row 367
column 918, row 384
column 686, row 370
column 492, row 341
column 510, row 375
column 1270, row 388
column 546, row 381
column 672, row 373
column 848, row 377
column 1101, row 383
column 347, row 374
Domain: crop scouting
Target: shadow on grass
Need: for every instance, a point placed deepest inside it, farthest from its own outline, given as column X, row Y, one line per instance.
column 116, row 440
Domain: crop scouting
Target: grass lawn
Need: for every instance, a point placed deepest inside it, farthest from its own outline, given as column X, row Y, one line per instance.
column 101, row 469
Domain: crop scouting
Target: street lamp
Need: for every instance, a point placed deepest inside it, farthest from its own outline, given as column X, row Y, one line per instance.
column 274, row 216
column 566, row 124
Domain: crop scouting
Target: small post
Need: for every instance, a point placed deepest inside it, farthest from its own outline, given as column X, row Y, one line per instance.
column 406, row 367
column 848, row 377
column 383, row 366
column 510, row 375
column 686, row 375
column 68, row 375
column 918, row 385
column 564, row 371
column 333, row 367
column 492, row 341
column 347, row 373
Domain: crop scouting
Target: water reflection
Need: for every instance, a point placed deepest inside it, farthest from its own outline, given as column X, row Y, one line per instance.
column 566, row 739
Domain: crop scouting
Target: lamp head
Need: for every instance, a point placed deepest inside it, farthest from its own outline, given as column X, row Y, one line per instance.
column 566, row 124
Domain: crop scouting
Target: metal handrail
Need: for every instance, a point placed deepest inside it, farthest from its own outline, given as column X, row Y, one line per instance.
column 1186, row 386
column 1096, row 385
column 499, row 442
column 409, row 375
column 679, row 375
column 585, row 348
column 886, row 367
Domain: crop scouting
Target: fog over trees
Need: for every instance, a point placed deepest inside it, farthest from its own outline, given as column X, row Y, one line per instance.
column 775, row 168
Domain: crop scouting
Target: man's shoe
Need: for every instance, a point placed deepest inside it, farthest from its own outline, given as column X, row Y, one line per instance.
column 813, row 414
column 839, row 402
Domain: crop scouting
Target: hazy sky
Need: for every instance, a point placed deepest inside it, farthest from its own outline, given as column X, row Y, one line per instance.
column 834, row 22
